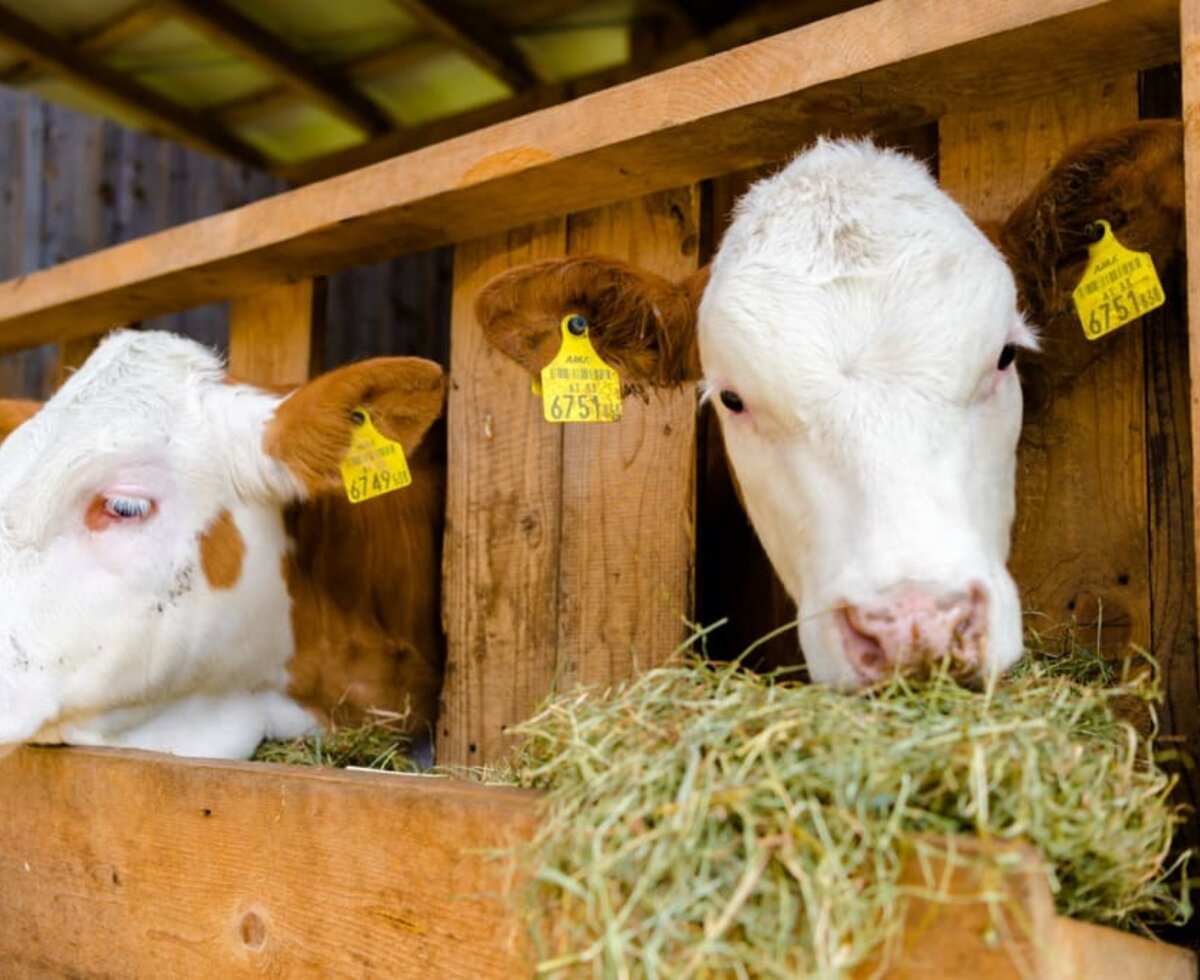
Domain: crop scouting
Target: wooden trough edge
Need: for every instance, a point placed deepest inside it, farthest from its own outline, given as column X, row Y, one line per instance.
column 885, row 66
column 129, row 863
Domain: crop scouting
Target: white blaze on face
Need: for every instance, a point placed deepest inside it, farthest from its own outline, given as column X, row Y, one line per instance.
column 853, row 333
column 106, row 613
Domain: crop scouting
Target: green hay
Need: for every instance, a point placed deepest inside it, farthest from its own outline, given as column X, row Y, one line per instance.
column 705, row 821
column 376, row 742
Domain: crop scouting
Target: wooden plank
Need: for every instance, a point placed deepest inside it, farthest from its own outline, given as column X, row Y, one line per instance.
column 880, row 66
column 1083, row 951
column 1079, row 542
column 503, row 521
column 136, row 864
column 274, row 333
column 626, row 573
column 1190, row 46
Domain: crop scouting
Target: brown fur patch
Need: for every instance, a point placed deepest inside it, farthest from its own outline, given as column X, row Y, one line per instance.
column 641, row 324
column 222, row 550
column 365, row 583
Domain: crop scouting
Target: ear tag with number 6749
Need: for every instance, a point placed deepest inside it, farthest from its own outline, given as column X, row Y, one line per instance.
column 374, row 464
column 1118, row 286
column 577, row 386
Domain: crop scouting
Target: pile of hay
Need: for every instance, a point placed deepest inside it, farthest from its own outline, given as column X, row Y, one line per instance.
column 377, row 741
column 706, row 821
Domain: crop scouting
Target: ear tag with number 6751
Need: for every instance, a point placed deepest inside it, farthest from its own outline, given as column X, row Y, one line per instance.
column 577, row 386
column 374, row 464
column 1117, row 287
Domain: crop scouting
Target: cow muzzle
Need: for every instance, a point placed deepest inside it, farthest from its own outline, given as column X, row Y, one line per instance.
column 912, row 630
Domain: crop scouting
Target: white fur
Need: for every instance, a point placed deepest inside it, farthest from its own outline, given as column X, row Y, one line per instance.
column 859, row 315
column 114, row 636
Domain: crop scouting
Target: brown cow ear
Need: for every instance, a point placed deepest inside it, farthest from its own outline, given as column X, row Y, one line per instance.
column 14, row 411
column 312, row 427
column 641, row 324
column 1132, row 178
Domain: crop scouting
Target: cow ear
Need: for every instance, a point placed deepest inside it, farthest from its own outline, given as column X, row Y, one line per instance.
column 14, row 411
column 641, row 324
column 1132, row 178
column 312, row 427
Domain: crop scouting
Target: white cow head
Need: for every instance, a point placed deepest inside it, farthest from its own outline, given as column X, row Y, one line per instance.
column 856, row 334
column 142, row 542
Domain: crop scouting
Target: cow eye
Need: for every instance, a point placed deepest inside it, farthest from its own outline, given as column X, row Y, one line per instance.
column 1008, row 354
column 128, row 508
column 732, row 401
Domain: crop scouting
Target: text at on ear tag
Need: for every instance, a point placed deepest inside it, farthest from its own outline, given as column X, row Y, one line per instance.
column 1118, row 286
column 374, row 464
column 577, row 386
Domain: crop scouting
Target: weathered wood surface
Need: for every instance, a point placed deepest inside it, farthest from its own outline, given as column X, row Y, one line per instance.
column 133, row 864
column 569, row 549
column 275, row 333
column 883, row 66
column 1080, row 548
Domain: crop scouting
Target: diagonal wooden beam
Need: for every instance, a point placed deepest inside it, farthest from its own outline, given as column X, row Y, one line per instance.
column 93, row 76
column 470, row 32
column 244, row 37
column 107, row 36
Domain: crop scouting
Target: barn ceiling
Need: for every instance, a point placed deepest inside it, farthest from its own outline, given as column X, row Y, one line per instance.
column 309, row 88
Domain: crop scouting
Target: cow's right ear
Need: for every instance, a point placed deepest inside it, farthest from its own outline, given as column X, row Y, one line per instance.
column 14, row 411
column 312, row 428
column 641, row 324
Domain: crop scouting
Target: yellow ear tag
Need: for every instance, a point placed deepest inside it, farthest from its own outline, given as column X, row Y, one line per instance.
column 374, row 464
column 577, row 386
column 1118, row 286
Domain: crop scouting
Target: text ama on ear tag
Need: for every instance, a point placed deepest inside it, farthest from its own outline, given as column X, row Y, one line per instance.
column 577, row 386
column 374, row 464
column 1117, row 287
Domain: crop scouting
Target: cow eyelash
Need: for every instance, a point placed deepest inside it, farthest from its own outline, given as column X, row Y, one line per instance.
column 1008, row 354
column 128, row 508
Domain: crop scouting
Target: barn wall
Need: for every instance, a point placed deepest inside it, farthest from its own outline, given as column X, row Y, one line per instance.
column 71, row 183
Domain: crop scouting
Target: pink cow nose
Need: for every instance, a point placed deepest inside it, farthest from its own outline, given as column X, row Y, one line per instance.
column 913, row 628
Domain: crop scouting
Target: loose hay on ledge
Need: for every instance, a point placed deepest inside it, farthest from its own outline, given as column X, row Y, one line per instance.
column 378, row 741
column 705, row 821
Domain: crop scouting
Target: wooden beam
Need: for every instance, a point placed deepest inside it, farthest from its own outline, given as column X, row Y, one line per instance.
column 751, row 105
column 326, row 87
column 120, row 863
column 126, row 25
column 93, row 76
column 275, row 333
column 138, row 864
column 469, row 30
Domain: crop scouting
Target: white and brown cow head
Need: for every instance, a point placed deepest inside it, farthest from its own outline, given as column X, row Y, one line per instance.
column 857, row 334
column 143, row 549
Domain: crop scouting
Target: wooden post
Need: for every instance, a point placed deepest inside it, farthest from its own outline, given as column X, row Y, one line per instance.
column 71, row 355
column 569, row 550
column 1079, row 543
column 274, row 335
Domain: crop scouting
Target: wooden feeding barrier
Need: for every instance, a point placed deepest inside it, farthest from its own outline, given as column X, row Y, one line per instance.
column 570, row 556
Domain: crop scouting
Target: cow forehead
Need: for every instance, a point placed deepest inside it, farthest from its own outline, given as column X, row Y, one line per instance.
column 138, row 395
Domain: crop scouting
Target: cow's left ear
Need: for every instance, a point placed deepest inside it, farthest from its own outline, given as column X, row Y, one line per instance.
column 1132, row 178
column 14, row 411
column 312, row 428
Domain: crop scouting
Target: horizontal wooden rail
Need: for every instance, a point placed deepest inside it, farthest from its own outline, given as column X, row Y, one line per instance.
column 891, row 64
column 135, row 864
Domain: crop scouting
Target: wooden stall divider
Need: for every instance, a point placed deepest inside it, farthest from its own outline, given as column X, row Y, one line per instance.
column 560, row 568
column 275, row 333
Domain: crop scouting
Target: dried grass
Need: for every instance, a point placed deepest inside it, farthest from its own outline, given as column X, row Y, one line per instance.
column 376, row 742
column 705, row 821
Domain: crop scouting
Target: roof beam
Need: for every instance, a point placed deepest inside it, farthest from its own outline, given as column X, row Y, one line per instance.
column 247, row 39
column 469, row 32
column 87, row 72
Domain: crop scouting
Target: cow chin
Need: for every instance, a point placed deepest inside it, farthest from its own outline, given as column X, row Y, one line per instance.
column 841, row 651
